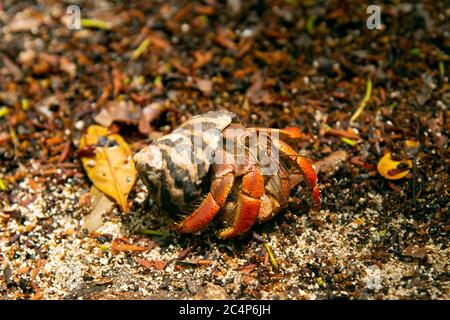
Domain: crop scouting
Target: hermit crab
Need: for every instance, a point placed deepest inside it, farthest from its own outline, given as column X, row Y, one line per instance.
column 212, row 165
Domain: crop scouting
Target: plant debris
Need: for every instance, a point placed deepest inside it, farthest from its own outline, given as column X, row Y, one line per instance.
column 110, row 167
column 100, row 205
column 393, row 170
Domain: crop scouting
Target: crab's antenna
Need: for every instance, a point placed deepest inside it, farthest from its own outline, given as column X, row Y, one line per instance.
column 298, row 155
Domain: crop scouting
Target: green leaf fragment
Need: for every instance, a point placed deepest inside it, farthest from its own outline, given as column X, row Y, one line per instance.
column 310, row 24
column 271, row 256
column 3, row 111
column 25, row 104
column 140, row 49
column 158, row 81
column 95, row 24
column 2, row 185
column 105, row 247
column 126, row 81
column 348, row 141
column 415, row 52
column 441, row 68
column 156, row 233
column 393, row 105
column 320, row 282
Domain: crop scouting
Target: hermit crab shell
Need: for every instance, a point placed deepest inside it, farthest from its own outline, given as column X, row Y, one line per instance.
column 181, row 159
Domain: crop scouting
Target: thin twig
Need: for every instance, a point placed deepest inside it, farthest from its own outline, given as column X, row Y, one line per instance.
column 156, row 233
column 364, row 101
column 414, row 183
column 271, row 257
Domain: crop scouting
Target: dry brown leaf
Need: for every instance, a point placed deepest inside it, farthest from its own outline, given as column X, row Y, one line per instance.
column 342, row 133
column 153, row 264
column 248, row 268
column 25, row 21
column 180, row 68
column 159, row 42
column 122, row 111
column 149, row 114
column 205, row 85
column 225, row 38
column 111, row 169
column 415, row 251
column 203, row 262
column 332, row 162
column 201, row 58
column 117, row 246
column 253, row 93
column 273, row 57
column 67, row 66
column 100, row 205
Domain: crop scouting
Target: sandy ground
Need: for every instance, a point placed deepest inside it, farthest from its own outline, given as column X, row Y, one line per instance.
column 329, row 255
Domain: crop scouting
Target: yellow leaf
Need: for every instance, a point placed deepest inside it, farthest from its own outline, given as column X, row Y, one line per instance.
column 110, row 167
column 393, row 170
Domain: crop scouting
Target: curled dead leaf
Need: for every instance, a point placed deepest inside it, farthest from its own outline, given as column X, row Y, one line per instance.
column 342, row 133
column 205, row 85
column 248, row 268
column 201, row 58
column 100, row 204
column 123, row 111
column 415, row 251
column 149, row 114
column 25, row 21
column 111, row 169
column 392, row 169
column 332, row 162
column 117, row 246
column 152, row 264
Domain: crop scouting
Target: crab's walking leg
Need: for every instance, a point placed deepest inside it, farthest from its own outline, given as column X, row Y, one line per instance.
column 305, row 167
column 220, row 188
column 248, row 205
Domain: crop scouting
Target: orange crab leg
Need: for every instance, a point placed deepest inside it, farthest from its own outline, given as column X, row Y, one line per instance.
column 248, row 205
column 220, row 188
column 306, row 169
